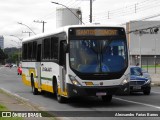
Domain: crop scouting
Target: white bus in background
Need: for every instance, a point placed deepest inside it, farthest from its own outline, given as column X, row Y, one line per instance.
column 77, row 61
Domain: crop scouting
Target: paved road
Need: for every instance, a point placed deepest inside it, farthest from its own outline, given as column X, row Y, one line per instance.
column 10, row 81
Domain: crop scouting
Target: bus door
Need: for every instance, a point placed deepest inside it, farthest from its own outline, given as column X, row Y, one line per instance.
column 38, row 65
column 62, row 62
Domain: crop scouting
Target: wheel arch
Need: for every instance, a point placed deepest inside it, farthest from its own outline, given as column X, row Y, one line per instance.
column 32, row 78
column 54, row 83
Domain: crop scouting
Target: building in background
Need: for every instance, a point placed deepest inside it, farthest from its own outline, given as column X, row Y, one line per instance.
column 65, row 17
column 1, row 42
column 144, row 41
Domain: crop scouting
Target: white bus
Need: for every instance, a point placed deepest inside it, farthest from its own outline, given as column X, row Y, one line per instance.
column 77, row 61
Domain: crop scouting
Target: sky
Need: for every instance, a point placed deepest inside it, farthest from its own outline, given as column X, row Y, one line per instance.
column 115, row 12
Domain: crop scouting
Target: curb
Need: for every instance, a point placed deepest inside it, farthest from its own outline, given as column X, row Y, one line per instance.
column 23, row 100
column 27, row 103
column 155, row 83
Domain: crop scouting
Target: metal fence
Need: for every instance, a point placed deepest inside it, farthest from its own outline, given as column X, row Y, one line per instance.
column 149, row 63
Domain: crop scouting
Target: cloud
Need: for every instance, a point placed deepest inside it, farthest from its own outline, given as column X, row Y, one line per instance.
column 26, row 11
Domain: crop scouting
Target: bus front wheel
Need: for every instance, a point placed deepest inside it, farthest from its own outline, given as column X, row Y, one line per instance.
column 60, row 98
column 107, row 98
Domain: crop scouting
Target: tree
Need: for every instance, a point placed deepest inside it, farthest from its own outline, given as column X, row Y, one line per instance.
column 13, row 54
column 3, row 56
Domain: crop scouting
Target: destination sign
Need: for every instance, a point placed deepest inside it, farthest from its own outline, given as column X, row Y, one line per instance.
column 96, row 32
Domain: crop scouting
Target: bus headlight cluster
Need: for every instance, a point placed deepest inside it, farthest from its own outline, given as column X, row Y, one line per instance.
column 126, row 79
column 74, row 81
column 124, row 82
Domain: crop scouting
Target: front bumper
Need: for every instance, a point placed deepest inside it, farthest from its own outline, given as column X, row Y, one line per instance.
column 145, row 87
column 93, row 90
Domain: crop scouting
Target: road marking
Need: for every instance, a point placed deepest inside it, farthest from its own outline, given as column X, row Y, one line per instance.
column 155, row 92
column 4, row 74
column 144, row 104
column 14, row 94
column 1, row 67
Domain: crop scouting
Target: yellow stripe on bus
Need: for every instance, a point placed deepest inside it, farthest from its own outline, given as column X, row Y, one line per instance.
column 49, row 88
column 25, row 81
column 44, row 87
column 32, row 70
column 62, row 93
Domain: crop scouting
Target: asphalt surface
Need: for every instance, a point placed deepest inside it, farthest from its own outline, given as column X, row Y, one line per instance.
column 90, row 107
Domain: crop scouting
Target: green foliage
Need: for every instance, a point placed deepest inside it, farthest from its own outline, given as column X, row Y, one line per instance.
column 150, row 66
column 13, row 54
column 3, row 56
column 2, row 108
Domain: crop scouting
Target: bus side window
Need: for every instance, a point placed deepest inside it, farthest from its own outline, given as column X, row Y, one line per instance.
column 34, row 50
column 46, row 49
column 54, row 48
column 24, row 52
column 29, row 51
column 39, row 53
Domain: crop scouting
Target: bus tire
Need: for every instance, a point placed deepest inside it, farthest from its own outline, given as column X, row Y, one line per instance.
column 54, row 84
column 34, row 90
column 60, row 98
column 107, row 98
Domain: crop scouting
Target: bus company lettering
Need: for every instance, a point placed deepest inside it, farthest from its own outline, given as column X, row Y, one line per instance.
column 96, row 32
column 47, row 69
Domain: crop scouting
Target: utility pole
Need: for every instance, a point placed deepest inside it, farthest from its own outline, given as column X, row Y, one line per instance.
column 108, row 14
column 27, row 32
column 43, row 22
column 90, row 11
column 136, row 7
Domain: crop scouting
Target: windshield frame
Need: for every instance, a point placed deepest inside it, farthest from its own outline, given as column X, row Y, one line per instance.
column 116, row 74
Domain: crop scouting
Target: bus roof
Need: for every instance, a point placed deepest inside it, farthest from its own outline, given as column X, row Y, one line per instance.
column 63, row 29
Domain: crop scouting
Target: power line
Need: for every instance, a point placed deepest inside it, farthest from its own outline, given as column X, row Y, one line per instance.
column 29, row 33
column 153, row 29
column 134, row 8
column 129, row 6
column 142, row 19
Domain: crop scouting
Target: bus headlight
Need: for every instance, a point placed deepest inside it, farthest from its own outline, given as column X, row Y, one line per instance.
column 124, row 82
column 74, row 81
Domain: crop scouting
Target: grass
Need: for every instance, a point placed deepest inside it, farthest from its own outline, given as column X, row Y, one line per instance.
column 3, row 108
column 150, row 66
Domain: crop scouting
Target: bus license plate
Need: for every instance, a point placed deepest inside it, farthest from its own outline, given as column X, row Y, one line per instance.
column 101, row 93
column 136, row 87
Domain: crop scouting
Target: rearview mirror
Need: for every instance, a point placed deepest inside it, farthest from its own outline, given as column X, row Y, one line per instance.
column 66, row 47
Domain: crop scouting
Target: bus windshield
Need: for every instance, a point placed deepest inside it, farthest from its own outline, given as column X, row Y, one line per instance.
column 98, row 56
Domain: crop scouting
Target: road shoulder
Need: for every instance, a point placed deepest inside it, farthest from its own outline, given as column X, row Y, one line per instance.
column 15, row 103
